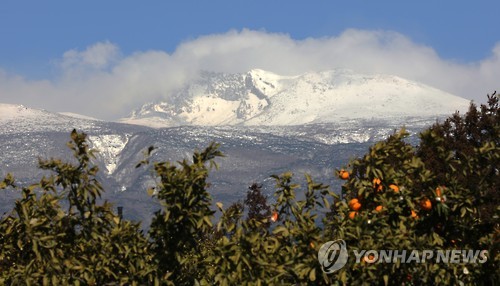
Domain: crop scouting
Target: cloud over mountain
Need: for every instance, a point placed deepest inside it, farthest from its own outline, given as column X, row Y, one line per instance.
column 103, row 82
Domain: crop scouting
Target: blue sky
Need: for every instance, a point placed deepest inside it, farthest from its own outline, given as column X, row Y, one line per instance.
column 53, row 50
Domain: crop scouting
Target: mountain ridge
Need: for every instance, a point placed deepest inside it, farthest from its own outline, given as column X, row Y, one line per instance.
column 260, row 97
column 255, row 148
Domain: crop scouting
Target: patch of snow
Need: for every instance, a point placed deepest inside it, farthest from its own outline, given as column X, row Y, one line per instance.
column 19, row 119
column 80, row 116
column 153, row 122
column 12, row 111
column 208, row 111
column 109, row 147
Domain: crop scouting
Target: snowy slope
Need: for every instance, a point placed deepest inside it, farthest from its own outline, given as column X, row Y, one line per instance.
column 308, row 123
column 262, row 98
column 253, row 152
column 23, row 128
column 19, row 118
column 76, row 115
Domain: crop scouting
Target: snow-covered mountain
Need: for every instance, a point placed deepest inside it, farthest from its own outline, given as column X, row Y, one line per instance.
column 259, row 98
column 253, row 153
column 268, row 124
column 28, row 133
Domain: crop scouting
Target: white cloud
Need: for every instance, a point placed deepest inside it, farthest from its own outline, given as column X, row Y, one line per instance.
column 97, row 56
column 101, row 82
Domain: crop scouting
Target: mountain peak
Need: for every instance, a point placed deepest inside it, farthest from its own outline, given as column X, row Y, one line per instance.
column 260, row 97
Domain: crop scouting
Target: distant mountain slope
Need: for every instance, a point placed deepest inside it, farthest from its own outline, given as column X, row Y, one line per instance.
column 27, row 134
column 269, row 123
column 253, row 152
column 262, row 98
column 19, row 118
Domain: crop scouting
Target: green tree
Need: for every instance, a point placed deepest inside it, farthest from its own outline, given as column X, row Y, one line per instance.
column 185, row 218
column 439, row 195
column 59, row 234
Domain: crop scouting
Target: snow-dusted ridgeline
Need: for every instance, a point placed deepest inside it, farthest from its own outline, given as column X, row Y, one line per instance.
column 263, row 98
